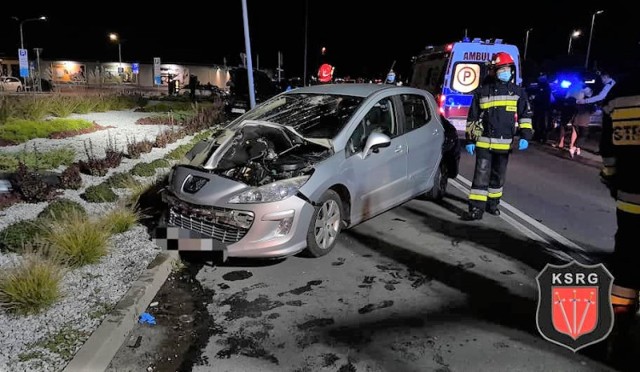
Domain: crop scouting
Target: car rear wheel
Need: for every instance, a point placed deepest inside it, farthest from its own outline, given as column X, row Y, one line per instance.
column 19, row 89
column 440, row 182
column 325, row 226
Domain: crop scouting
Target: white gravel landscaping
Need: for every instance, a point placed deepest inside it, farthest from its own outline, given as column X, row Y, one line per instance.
column 47, row 341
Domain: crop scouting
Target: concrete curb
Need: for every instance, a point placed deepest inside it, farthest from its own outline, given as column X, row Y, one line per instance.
column 587, row 158
column 98, row 351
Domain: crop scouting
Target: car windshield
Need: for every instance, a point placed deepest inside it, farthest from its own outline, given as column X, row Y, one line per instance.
column 311, row 115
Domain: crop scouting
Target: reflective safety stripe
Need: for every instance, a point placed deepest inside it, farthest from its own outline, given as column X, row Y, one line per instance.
column 609, row 162
column 495, row 193
column 487, row 105
column 629, row 197
column 526, row 126
column 609, row 171
column 628, row 207
column 513, row 99
column 494, row 143
column 477, row 197
column 493, row 146
column 479, row 192
column 524, row 120
column 622, row 113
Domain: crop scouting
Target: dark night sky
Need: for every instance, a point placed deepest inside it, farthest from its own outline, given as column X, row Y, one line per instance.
column 359, row 42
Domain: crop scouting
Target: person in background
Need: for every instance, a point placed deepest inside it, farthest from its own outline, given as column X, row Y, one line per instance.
column 542, row 109
column 490, row 129
column 580, row 122
column 608, row 84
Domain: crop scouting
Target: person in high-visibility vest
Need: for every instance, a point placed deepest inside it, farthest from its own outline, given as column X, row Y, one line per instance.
column 620, row 151
column 491, row 126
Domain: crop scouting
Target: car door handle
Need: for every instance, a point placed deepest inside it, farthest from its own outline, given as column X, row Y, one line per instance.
column 398, row 149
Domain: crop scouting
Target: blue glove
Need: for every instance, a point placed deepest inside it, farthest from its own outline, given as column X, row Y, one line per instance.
column 523, row 144
column 470, row 148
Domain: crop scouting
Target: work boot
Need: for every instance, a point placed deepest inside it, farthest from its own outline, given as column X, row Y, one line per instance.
column 493, row 210
column 473, row 214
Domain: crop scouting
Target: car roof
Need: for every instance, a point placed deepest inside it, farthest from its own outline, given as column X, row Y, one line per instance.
column 357, row 90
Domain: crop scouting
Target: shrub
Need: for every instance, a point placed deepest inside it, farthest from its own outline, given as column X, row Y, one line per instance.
column 162, row 140
column 8, row 199
column 120, row 219
column 121, row 180
column 19, row 234
column 78, row 240
column 32, row 286
column 31, row 186
column 143, row 170
column 63, row 106
column 160, row 163
column 33, row 108
column 59, row 209
column 86, row 105
column 113, row 156
column 70, row 178
column 19, row 130
column 101, row 193
column 36, row 160
column 93, row 165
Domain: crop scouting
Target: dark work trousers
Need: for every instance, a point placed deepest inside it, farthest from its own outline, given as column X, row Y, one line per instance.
column 488, row 179
column 541, row 124
column 626, row 255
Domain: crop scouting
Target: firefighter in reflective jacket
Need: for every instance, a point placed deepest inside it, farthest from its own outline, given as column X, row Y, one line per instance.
column 491, row 126
column 620, row 150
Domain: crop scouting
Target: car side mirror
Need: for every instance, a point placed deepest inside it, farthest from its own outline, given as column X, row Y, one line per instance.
column 375, row 142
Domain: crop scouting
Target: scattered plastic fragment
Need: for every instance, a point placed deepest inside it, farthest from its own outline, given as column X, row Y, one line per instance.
column 154, row 304
column 147, row 318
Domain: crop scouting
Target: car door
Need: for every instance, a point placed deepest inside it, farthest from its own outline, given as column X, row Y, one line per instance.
column 379, row 179
column 424, row 142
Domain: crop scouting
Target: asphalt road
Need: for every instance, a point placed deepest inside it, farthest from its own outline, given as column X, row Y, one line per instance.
column 563, row 194
column 414, row 289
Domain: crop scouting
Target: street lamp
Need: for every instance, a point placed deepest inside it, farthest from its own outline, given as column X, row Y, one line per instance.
column 115, row 38
column 43, row 18
column 526, row 43
column 593, row 20
column 573, row 35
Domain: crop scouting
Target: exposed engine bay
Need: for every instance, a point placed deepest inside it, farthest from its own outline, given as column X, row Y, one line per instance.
column 258, row 154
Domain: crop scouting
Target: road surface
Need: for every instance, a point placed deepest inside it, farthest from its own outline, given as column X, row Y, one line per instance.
column 414, row 289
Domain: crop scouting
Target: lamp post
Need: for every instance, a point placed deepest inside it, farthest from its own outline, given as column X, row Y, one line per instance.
column 573, row 35
column 115, row 38
column 22, row 22
column 526, row 43
column 593, row 20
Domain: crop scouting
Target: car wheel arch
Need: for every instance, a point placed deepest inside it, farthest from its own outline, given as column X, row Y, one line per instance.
column 345, row 198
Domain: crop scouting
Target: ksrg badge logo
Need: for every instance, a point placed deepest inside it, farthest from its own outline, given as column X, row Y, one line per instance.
column 574, row 304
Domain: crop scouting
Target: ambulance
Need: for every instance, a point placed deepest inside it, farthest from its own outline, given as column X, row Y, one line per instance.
column 453, row 71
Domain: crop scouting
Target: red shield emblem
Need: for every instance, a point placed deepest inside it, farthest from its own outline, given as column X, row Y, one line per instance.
column 574, row 304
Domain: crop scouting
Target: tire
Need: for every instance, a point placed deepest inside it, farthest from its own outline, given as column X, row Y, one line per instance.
column 19, row 89
column 440, row 182
column 321, row 239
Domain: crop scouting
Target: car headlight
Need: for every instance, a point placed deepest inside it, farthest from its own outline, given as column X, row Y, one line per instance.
column 270, row 193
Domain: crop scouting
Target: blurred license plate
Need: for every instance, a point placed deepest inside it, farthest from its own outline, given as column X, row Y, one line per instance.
column 238, row 110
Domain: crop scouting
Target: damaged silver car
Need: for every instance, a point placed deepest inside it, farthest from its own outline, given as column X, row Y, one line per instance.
column 290, row 174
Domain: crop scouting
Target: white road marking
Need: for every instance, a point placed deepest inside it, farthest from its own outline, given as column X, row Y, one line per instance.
column 522, row 228
column 544, row 229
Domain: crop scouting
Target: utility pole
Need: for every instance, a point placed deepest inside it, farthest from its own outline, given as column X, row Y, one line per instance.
column 247, row 42
column 306, row 32
column 39, row 84
column 526, row 43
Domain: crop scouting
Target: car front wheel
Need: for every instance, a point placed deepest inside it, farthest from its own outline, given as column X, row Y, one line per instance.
column 440, row 182
column 325, row 225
